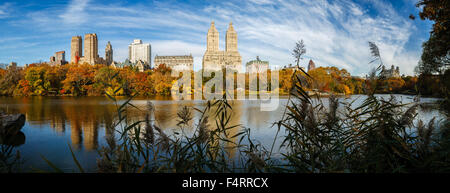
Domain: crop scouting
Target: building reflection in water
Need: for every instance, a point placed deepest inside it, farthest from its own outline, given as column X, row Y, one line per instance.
column 75, row 133
column 85, row 117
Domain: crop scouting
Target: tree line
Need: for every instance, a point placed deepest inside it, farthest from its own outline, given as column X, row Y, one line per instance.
column 42, row 79
column 83, row 80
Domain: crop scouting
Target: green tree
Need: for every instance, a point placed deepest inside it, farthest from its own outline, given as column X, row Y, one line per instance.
column 436, row 51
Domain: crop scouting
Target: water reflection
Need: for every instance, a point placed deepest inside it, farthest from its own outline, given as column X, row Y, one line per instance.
column 52, row 122
column 84, row 117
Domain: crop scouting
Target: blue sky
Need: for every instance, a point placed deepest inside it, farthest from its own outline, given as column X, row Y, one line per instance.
column 335, row 32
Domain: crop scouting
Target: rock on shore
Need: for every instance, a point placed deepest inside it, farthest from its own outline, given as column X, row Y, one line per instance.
column 10, row 124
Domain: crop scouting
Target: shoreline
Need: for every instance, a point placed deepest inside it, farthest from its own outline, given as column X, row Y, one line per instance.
column 169, row 97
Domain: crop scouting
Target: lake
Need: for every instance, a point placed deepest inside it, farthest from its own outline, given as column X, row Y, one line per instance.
column 54, row 123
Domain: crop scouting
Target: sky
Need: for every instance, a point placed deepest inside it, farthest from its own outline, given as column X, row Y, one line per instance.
column 335, row 32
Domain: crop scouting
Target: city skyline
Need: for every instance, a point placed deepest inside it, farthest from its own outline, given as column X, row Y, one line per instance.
column 267, row 29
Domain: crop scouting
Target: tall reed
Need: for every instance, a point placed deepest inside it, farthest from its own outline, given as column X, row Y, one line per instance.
column 380, row 135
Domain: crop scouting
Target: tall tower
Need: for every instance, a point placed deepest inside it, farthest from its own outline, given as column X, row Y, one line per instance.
column 76, row 49
column 212, row 39
column 231, row 39
column 108, row 54
column 311, row 65
column 90, row 48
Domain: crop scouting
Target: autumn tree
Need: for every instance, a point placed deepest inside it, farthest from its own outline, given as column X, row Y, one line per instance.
column 285, row 80
column 436, row 51
column 10, row 80
column 143, row 85
column 79, row 79
column 107, row 81
column 127, row 79
column 35, row 77
column 162, row 79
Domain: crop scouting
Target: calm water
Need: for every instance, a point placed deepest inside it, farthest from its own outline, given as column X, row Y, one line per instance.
column 54, row 123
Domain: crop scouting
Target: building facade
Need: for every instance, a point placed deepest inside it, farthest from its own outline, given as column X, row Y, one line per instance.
column 176, row 63
column 12, row 65
column 139, row 51
column 140, row 65
column 90, row 54
column 215, row 59
column 390, row 73
column 108, row 54
column 76, row 47
column 58, row 59
column 257, row 66
column 311, row 65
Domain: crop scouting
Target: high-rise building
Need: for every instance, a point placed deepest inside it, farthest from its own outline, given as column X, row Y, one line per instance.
column 90, row 49
column 215, row 59
column 90, row 55
column 139, row 51
column 212, row 39
column 311, row 65
column 108, row 54
column 231, row 39
column 76, row 49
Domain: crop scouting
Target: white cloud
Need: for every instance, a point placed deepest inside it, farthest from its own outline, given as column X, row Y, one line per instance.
column 75, row 13
column 263, row 2
column 356, row 10
column 335, row 33
column 4, row 10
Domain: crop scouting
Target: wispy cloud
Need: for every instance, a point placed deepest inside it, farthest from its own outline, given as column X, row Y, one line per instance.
column 75, row 13
column 263, row 2
column 4, row 10
column 335, row 32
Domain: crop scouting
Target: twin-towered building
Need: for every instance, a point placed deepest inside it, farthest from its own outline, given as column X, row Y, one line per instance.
column 90, row 50
column 215, row 59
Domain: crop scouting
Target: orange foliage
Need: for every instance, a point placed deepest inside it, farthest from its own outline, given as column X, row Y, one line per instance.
column 97, row 80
